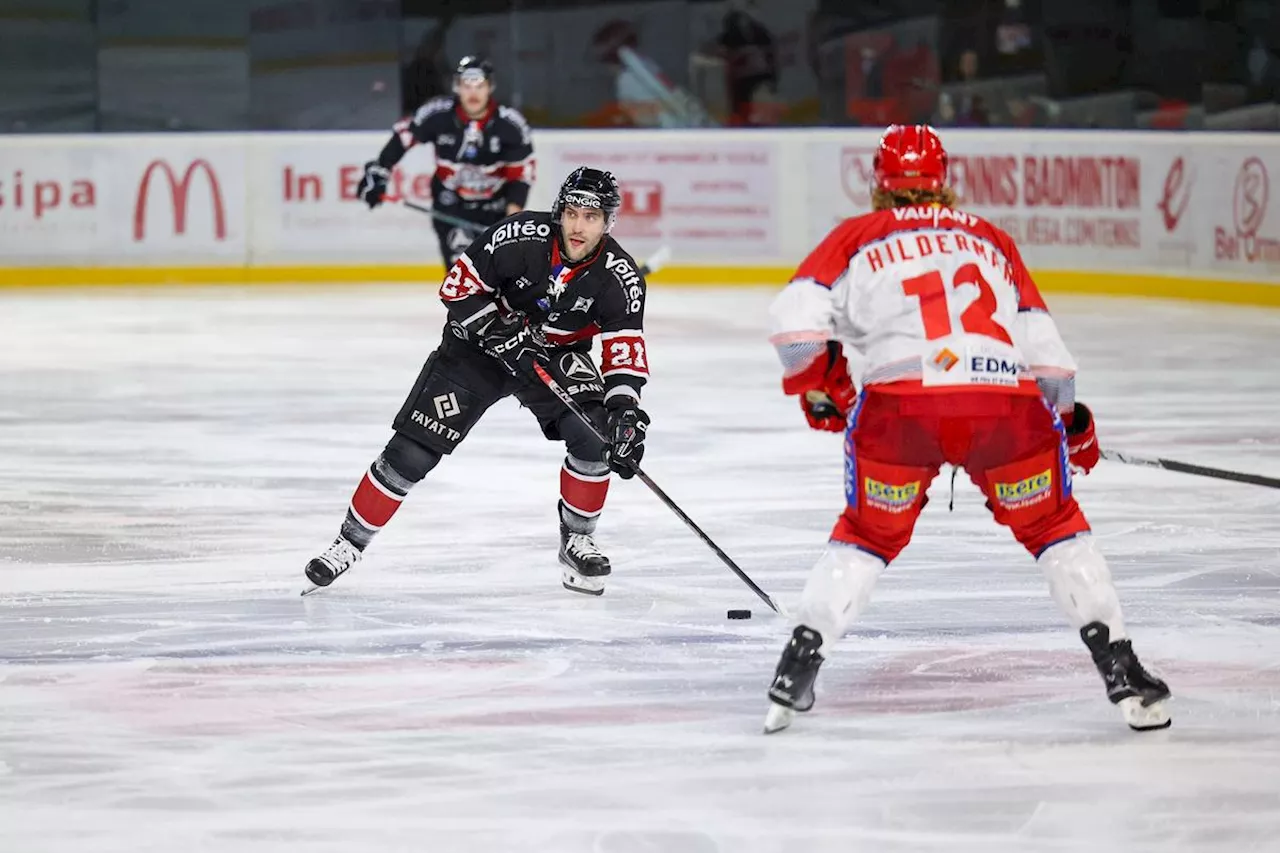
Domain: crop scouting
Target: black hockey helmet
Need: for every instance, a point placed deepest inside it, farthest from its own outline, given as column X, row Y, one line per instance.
column 473, row 68
column 588, row 187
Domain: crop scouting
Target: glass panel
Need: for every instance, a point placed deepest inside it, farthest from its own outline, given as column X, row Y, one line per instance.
column 165, row 65
column 324, row 64
column 47, row 84
column 135, row 65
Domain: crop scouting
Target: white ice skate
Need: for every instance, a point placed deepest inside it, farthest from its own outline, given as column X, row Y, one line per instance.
column 337, row 560
column 584, row 566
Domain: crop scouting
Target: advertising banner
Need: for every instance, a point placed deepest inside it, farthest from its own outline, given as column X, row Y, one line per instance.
column 179, row 200
column 51, row 201
column 1238, row 223
column 1198, row 207
column 307, row 209
column 1145, row 202
column 704, row 201
column 1068, row 203
column 146, row 199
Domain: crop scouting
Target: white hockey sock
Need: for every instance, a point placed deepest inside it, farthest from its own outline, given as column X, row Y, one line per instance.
column 837, row 591
column 1081, row 584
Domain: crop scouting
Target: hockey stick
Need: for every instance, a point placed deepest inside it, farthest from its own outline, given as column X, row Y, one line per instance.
column 1186, row 468
column 556, row 389
column 656, row 261
column 473, row 227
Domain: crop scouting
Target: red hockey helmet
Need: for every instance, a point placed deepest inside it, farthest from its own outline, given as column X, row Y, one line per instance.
column 910, row 157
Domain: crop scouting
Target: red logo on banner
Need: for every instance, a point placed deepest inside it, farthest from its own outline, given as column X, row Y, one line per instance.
column 641, row 200
column 179, row 192
column 1177, row 194
column 856, row 173
column 1252, row 191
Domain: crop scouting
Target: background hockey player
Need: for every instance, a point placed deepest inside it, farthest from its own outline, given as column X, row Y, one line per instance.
column 962, row 365
column 537, row 288
column 484, row 157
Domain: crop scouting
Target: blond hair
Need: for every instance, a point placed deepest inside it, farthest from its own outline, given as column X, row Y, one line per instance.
column 889, row 199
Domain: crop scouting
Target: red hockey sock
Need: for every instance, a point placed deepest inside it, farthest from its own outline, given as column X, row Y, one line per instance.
column 373, row 504
column 583, row 493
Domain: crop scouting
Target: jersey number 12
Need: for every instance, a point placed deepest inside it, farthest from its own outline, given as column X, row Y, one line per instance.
column 977, row 319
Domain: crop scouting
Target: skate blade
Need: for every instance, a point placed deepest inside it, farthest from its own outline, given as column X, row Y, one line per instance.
column 316, row 587
column 778, row 718
column 575, row 582
column 1145, row 718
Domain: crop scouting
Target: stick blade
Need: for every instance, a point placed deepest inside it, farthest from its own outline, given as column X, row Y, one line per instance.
column 656, row 261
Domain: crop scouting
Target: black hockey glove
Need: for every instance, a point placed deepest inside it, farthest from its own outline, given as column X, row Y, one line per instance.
column 514, row 342
column 628, row 425
column 373, row 186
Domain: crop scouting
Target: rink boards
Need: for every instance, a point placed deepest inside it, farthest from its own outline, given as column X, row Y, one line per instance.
column 1141, row 213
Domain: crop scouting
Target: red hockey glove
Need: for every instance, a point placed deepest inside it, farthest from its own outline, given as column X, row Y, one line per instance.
column 1082, row 442
column 825, row 389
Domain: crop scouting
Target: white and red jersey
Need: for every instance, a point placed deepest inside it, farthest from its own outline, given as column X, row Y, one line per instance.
column 932, row 299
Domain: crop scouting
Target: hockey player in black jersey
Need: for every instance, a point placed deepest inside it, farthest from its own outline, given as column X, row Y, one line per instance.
column 535, row 288
column 484, row 157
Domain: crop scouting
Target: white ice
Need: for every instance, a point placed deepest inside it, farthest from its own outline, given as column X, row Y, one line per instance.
column 169, row 459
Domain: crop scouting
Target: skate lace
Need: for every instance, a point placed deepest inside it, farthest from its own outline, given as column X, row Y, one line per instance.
column 582, row 545
column 342, row 555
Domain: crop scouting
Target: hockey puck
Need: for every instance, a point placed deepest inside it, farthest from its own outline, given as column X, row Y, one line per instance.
column 739, row 614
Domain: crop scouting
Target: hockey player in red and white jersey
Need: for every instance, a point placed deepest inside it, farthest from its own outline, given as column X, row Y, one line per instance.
column 961, row 364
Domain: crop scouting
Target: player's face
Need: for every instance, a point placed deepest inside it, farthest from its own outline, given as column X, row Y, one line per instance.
column 583, row 229
column 474, row 95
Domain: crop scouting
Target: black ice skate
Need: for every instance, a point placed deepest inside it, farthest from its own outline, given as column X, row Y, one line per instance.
column 585, row 567
column 336, row 560
column 1139, row 695
column 792, row 687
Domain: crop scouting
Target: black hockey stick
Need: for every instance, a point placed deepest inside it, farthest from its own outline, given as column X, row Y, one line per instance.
column 473, row 227
column 555, row 388
column 1186, row 468
column 648, row 268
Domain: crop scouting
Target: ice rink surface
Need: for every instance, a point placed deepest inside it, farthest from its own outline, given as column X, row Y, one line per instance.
column 169, row 459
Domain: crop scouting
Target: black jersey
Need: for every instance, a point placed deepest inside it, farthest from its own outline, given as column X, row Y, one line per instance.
column 477, row 160
column 516, row 265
